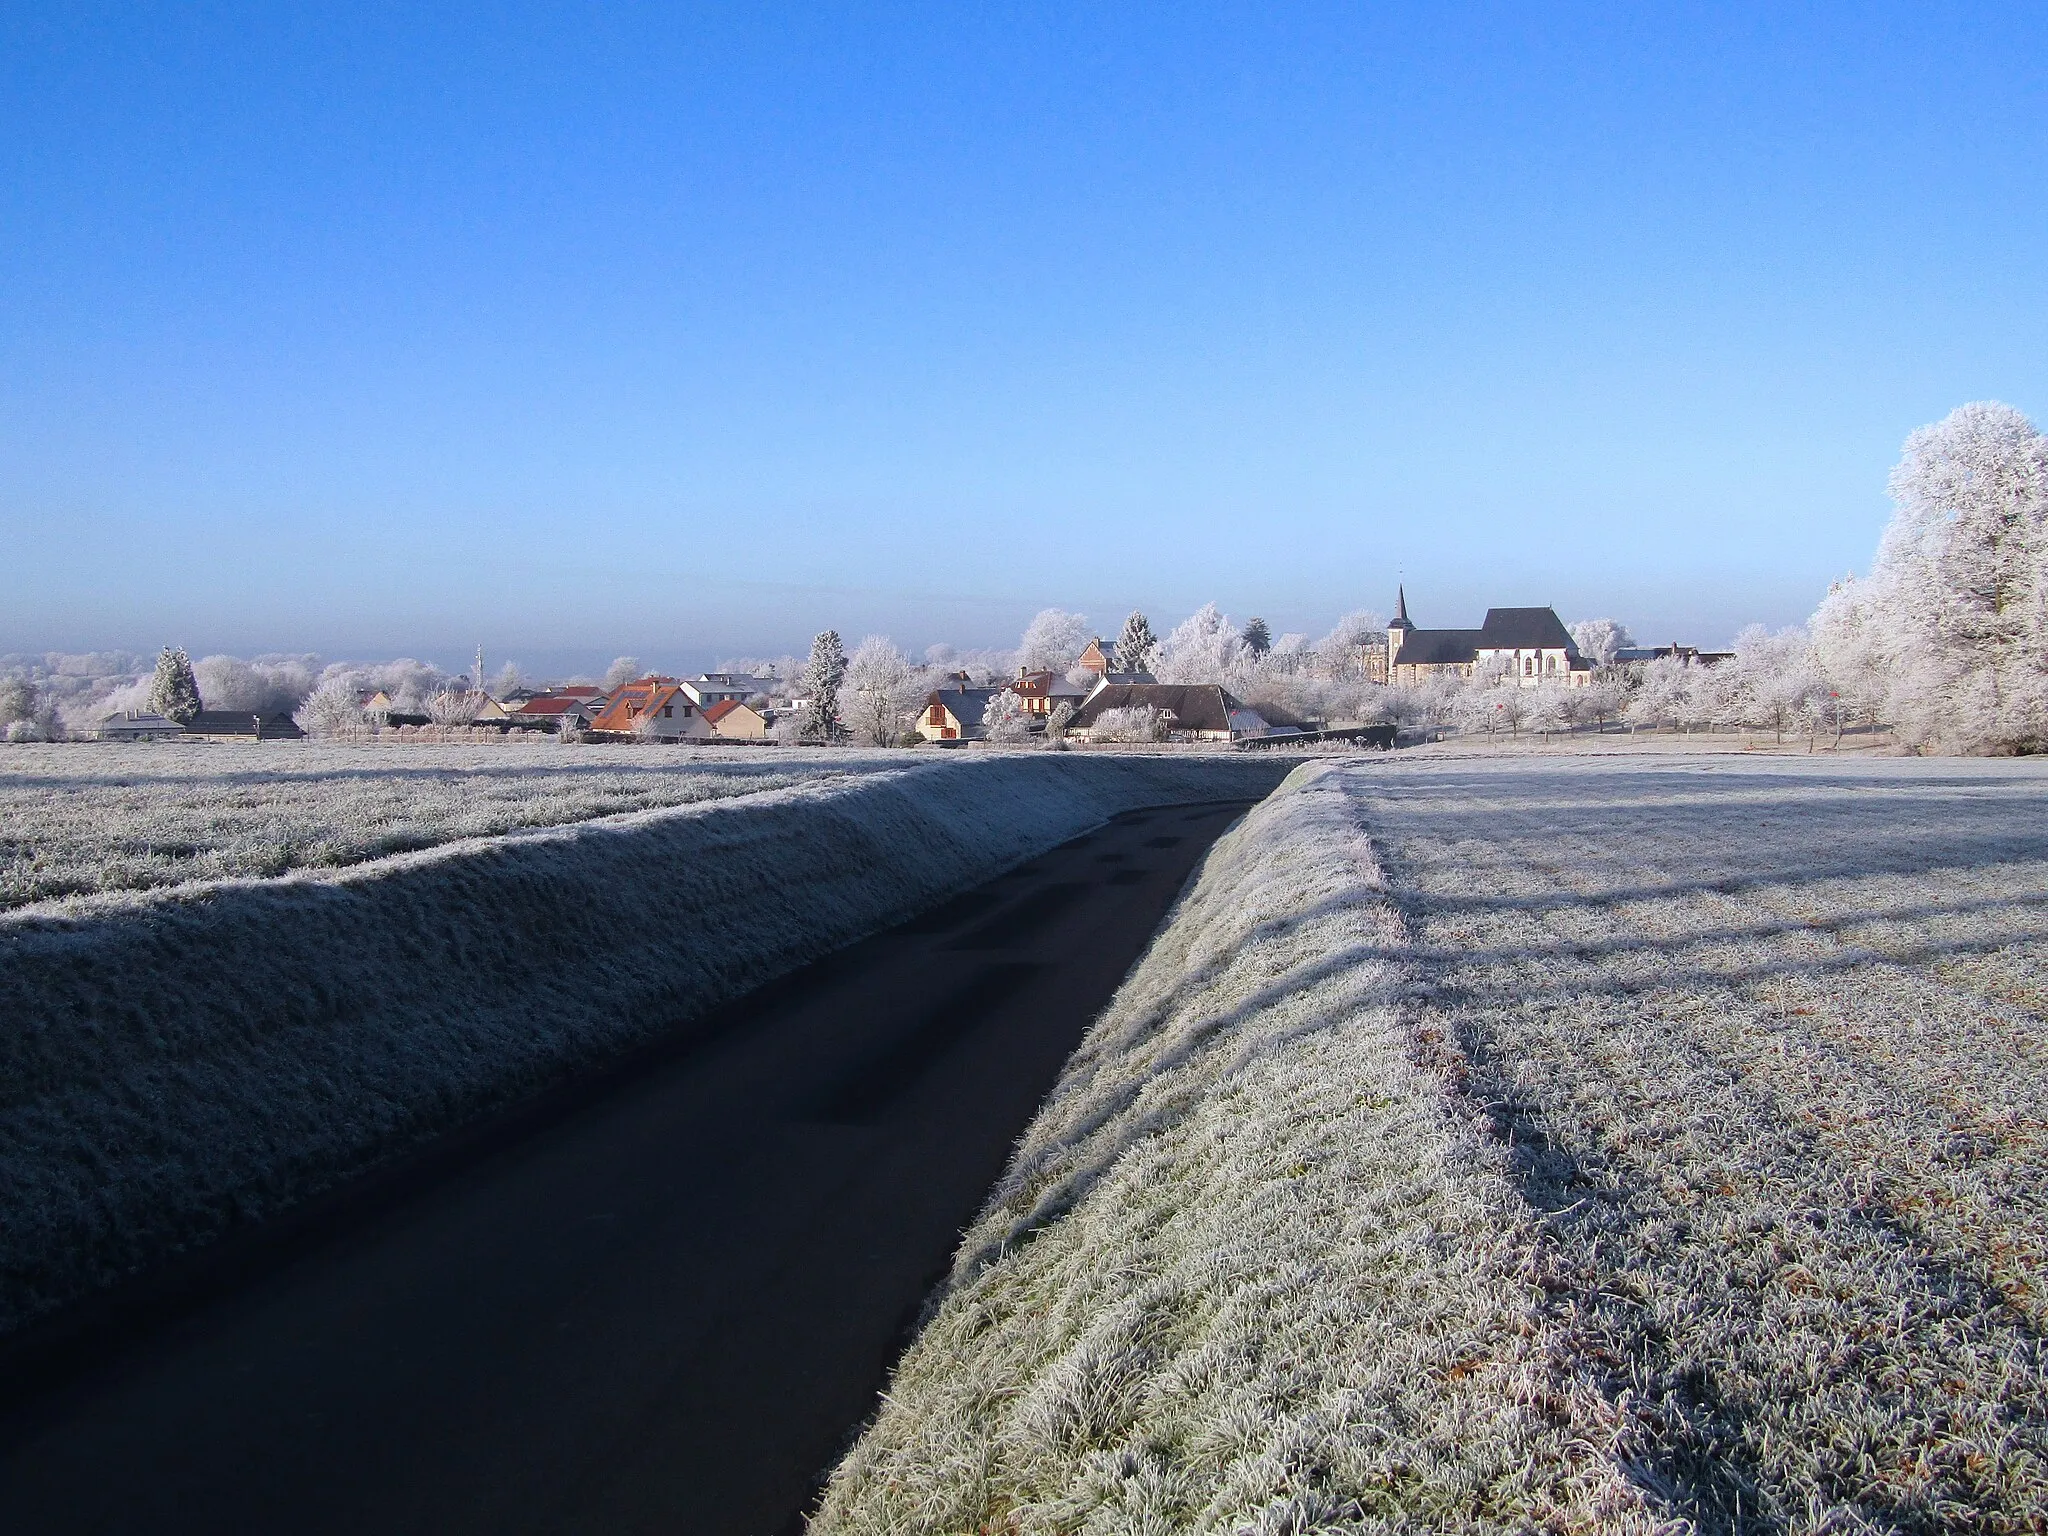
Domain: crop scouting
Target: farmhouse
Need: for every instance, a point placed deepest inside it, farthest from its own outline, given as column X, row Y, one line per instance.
column 730, row 720
column 655, row 707
column 1529, row 645
column 1195, row 711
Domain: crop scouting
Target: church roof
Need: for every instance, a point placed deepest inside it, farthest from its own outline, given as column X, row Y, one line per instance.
column 1523, row 629
column 1437, row 648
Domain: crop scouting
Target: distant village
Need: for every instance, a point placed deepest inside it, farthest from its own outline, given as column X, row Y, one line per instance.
column 1207, row 681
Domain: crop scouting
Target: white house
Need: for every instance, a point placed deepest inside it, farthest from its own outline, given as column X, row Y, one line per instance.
column 136, row 725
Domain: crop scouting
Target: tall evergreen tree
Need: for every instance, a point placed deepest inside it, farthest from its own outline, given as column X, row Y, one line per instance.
column 1134, row 647
column 823, row 674
column 1257, row 638
column 174, row 691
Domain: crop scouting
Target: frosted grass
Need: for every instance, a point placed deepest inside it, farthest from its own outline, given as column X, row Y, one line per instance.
column 87, row 819
column 1530, row 1144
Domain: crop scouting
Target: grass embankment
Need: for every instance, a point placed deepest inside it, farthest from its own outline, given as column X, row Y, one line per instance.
column 1520, row 1145
column 179, row 1061
column 88, row 819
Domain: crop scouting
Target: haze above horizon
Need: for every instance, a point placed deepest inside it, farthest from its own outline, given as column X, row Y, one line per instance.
column 580, row 331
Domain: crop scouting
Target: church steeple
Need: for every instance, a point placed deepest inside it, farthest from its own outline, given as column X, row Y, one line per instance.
column 1397, row 628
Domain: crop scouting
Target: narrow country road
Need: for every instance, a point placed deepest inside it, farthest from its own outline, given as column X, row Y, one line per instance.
column 664, row 1307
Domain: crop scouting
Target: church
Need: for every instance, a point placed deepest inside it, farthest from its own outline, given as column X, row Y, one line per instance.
column 1529, row 645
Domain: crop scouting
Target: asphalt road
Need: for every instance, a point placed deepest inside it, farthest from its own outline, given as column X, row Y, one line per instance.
column 664, row 1303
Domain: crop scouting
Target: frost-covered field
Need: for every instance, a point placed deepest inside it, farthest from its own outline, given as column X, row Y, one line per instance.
column 88, row 818
column 1599, row 1144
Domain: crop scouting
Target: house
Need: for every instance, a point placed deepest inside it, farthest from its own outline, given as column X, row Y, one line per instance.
column 654, row 707
column 373, row 701
column 1099, row 657
column 730, row 720
column 1195, row 711
column 1043, row 692
column 1529, row 645
column 136, row 725
column 955, row 714
column 241, row 725
column 711, row 687
column 555, row 712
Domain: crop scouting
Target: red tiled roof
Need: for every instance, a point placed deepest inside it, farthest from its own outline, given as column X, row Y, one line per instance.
column 713, row 713
column 634, row 700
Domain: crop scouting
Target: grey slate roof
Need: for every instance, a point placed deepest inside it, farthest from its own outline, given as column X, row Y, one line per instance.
column 1524, row 629
column 968, row 705
column 1437, row 648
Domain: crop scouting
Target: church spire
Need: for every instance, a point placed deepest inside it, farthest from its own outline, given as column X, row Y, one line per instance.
column 1400, row 609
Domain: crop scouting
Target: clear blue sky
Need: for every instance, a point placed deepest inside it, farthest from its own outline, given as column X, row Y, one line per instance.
column 688, row 331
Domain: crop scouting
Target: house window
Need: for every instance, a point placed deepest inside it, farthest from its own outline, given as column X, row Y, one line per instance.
column 668, row 711
column 938, row 715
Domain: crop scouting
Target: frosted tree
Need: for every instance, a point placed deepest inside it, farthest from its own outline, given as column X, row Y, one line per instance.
column 1006, row 719
column 1773, row 677
column 1053, row 640
column 881, row 692
column 457, row 706
column 1480, row 709
column 1599, row 639
column 1132, row 724
column 264, row 687
column 1659, row 697
column 1960, row 586
column 1852, row 656
column 174, row 691
column 1346, row 651
column 1551, row 709
column 1714, row 697
column 1203, row 648
column 1258, row 639
column 623, row 670
column 331, row 709
column 1136, row 645
column 508, row 680
column 823, row 674
column 28, row 713
column 1057, row 722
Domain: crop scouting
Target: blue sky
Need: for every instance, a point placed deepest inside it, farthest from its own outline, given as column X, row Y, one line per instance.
column 687, row 332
